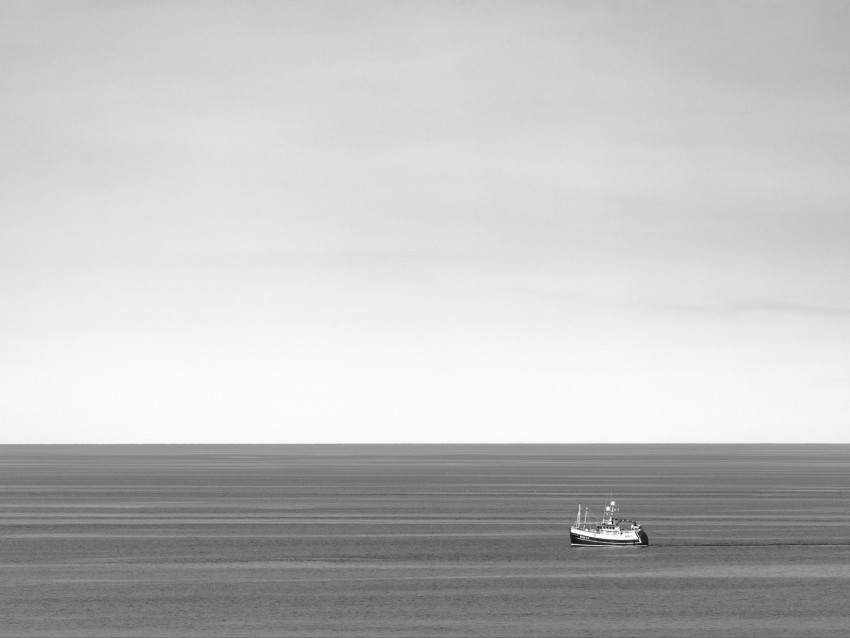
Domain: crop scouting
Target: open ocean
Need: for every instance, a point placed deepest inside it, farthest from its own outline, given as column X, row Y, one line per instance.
column 422, row 541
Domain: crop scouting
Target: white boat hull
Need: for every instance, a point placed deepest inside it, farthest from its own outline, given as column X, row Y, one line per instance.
column 590, row 536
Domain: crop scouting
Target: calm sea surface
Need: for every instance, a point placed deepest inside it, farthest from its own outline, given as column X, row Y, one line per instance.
column 421, row 541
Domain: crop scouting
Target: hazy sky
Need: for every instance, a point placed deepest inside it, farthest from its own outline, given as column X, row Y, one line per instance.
column 424, row 221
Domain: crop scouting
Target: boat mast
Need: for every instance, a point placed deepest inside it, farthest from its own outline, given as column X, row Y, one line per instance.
column 578, row 516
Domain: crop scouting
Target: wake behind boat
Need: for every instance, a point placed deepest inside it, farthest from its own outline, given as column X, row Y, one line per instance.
column 611, row 531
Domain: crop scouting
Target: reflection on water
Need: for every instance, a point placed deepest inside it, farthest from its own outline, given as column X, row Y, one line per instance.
column 417, row 540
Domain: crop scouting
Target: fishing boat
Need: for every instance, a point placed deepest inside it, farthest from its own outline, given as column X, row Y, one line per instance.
column 610, row 531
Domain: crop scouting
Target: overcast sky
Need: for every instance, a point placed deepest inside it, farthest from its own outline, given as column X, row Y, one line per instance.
column 424, row 222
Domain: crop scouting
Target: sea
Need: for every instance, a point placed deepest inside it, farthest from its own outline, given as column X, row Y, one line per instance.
column 409, row 540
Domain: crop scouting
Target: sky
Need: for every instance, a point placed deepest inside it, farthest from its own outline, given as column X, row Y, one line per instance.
column 424, row 222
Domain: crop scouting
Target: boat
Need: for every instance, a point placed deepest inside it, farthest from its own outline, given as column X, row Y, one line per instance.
column 611, row 531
